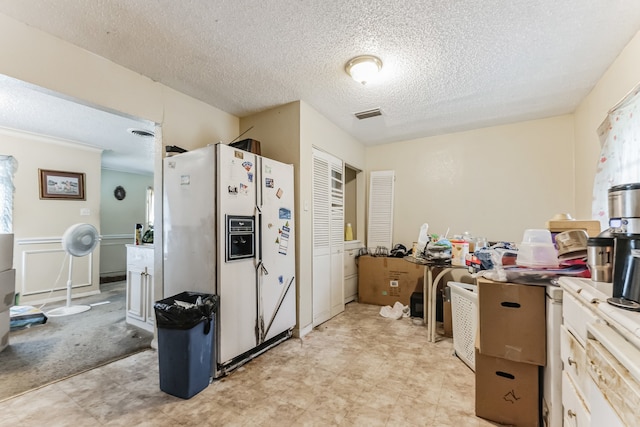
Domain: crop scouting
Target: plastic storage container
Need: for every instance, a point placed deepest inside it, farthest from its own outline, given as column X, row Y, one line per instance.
column 464, row 318
column 186, row 342
column 537, row 250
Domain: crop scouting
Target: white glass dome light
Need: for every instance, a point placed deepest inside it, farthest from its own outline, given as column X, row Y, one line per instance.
column 364, row 69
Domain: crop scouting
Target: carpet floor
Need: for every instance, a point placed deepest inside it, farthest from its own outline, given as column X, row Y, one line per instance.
column 69, row 345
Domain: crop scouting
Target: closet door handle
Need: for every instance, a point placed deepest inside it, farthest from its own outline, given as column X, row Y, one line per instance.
column 571, row 361
column 571, row 414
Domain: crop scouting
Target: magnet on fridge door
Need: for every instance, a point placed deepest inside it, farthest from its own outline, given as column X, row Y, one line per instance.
column 284, row 240
column 247, row 165
column 250, row 176
column 268, row 182
column 284, row 213
column 267, row 169
column 279, row 193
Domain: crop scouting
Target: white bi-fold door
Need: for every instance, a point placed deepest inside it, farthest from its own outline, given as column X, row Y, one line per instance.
column 328, row 236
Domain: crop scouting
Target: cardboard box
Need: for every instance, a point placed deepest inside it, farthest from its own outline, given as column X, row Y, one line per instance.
column 7, row 289
column 6, row 251
column 448, row 320
column 385, row 280
column 512, row 321
column 507, row 392
column 590, row 226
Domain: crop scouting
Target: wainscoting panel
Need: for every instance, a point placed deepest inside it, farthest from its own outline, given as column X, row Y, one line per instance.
column 113, row 254
column 42, row 268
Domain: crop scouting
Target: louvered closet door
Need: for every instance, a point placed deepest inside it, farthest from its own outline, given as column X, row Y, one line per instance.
column 328, row 230
column 380, row 225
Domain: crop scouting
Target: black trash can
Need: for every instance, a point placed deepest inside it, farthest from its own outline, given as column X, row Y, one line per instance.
column 186, row 342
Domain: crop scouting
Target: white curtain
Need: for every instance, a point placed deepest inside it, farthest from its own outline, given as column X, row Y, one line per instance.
column 619, row 161
column 8, row 167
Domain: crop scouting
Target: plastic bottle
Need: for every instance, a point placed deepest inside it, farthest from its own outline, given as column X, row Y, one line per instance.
column 348, row 231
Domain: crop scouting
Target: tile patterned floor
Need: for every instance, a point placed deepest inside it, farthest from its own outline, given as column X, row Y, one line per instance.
column 358, row 369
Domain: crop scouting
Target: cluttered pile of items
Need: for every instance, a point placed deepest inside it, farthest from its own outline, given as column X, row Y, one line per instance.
column 540, row 258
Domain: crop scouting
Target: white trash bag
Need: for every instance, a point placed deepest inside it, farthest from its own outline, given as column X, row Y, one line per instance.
column 396, row 312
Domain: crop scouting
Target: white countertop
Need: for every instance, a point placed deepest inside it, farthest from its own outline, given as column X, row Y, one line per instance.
column 352, row 244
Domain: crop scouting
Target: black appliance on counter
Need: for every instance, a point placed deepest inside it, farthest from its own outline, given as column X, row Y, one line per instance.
column 624, row 222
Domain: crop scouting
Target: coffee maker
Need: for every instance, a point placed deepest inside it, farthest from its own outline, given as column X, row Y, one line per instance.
column 624, row 223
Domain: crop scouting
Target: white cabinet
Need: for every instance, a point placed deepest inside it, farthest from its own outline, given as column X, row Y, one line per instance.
column 140, row 287
column 328, row 236
column 351, row 251
column 601, row 359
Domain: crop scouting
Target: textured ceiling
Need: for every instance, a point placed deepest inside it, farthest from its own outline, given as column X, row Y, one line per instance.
column 449, row 65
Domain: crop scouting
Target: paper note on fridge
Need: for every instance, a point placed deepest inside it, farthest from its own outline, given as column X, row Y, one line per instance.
column 284, row 240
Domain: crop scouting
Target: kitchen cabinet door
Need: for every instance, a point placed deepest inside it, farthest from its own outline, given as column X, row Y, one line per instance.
column 140, row 296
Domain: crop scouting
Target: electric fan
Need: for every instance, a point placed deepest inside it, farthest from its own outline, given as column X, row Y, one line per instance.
column 79, row 240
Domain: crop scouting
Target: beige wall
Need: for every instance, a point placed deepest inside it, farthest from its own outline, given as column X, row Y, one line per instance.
column 38, row 225
column 621, row 77
column 278, row 130
column 317, row 131
column 287, row 133
column 498, row 181
column 493, row 182
column 118, row 217
column 36, row 57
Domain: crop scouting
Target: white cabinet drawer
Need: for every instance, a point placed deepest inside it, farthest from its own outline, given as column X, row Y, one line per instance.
column 620, row 392
column 576, row 315
column 574, row 361
column 575, row 413
column 350, row 267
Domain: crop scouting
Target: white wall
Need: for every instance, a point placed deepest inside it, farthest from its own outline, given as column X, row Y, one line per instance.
column 118, row 217
column 621, row 77
column 493, row 182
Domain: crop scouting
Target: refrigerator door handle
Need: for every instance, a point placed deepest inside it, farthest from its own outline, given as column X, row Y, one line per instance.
column 258, row 233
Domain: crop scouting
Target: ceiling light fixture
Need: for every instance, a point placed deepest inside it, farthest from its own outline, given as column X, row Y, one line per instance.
column 363, row 68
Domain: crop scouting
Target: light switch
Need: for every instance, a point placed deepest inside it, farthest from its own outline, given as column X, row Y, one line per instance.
column 85, row 211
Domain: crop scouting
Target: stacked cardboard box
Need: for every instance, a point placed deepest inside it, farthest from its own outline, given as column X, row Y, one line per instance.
column 510, row 349
column 7, row 287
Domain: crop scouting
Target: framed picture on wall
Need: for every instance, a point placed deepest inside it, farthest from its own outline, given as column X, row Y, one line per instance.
column 61, row 185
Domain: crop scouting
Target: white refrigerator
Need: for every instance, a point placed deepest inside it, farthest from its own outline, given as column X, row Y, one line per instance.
column 229, row 230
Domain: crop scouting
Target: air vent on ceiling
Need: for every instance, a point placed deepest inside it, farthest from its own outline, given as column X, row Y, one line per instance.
column 141, row 132
column 368, row 113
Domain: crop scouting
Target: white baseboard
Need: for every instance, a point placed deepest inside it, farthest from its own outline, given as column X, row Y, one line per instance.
column 299, row 333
